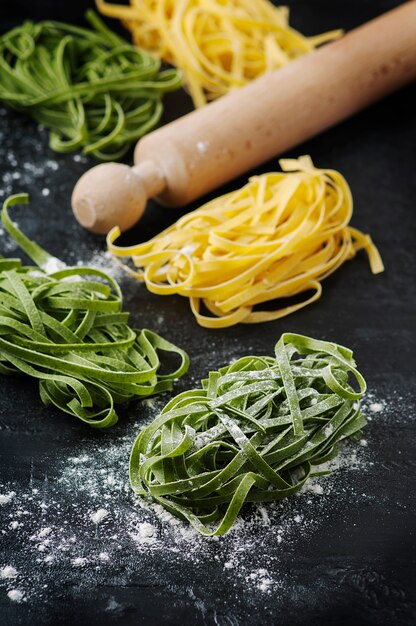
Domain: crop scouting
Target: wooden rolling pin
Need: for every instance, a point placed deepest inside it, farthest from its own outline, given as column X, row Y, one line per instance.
column 208, row 147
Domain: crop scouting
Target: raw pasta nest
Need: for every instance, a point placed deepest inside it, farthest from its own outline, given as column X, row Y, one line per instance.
column 275, row 238
column 92, row 89
column 220, row 45
column 254, row 432
column 65, row 327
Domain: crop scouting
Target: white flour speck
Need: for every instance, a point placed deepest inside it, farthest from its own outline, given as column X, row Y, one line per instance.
column 146, row 529
column 265, row 584
column 7, row 498
column 261, row 579
column 376, row 407
column 98, row 516
column 79, row 561
column 8, row 572
column 314, row 487
column 146, row 533
column 15, row 595
column 328, row 430
column 53, row 265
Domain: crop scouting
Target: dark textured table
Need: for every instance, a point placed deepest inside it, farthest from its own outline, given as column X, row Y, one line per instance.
column 343, row 553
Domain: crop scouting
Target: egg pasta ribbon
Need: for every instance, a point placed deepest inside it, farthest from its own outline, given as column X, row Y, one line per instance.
column 275, row 238
column 220, row 45
column 255, row 431
column 66, row 328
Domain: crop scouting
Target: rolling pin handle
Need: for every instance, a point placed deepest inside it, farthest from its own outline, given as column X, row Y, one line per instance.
column 115, row 194
column 151, row 177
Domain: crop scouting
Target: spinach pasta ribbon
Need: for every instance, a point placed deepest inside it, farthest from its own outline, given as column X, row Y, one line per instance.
column 252, row 433
column 66, row 328
column 91, row 88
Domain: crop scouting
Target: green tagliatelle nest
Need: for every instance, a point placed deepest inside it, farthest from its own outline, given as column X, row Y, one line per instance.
column 91, row 88
column 71, row 333
column 252, row 433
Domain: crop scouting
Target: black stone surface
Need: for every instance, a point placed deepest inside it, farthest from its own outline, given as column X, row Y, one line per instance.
column 358, row 565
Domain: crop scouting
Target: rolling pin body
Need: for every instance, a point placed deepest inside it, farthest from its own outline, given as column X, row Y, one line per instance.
column 208, row 147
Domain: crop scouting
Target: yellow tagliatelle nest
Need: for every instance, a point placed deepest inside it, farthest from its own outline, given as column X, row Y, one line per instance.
column 219, row 45
column 278, row 236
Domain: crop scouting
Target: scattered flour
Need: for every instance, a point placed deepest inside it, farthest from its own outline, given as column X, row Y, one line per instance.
column 50, row 523
column 23, row 174
column 146, row 530
column 103, row 260
column 261, row 579
column 145, row 533
column 79, row 561
column 314, row 487
column 29, row 166
column 8, row 572
column 98, row 516
column 6, row 498
column 56, row 532
column 376, row 407
column 53, row 265
column 15, row 595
